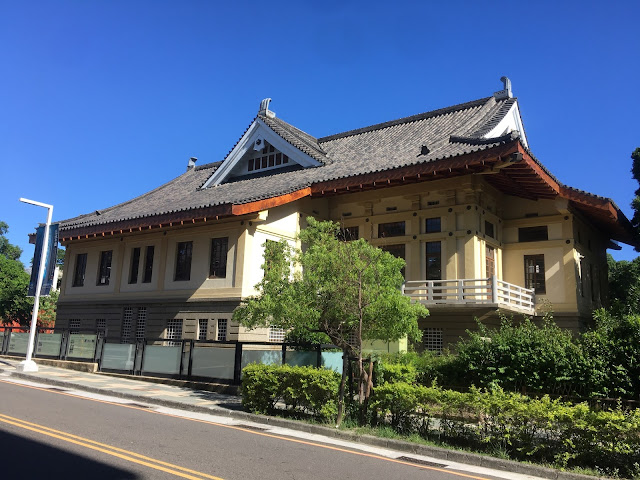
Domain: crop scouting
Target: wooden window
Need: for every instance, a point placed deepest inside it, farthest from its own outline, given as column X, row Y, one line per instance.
column 250, row 165
column 101, row 325
column 397, row 251
column 490, row 255
column 148, row 264
column 135, row 263
column 593, row 290
column 489, row 229
column 74, row 325
column 348, row 234
column 222, row 329
column 433, row 225
column 392, row 229
column 534, row 273
column 81, row 266
column 533, row 234
column 432, row 339
column 434, row 261
column 218, row 264
column 183, row 261
column 104, row 269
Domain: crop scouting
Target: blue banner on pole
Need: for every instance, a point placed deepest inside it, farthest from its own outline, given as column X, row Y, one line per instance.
column 50, row 260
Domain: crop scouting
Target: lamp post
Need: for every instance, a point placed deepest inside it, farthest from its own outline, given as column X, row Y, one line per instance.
column 29, row 365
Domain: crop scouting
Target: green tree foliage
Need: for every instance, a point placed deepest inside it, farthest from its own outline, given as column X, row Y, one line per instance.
column 635, row 204
column 344, row 290
column 624, row 286
column 12, row 252
column 612, row 349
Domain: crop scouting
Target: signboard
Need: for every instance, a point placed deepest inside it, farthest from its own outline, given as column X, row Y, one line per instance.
column 82, row 346
column 49, row 344
column 18, row 343
column 50, row 260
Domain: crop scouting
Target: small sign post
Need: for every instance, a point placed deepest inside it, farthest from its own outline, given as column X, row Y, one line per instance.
column 28, row 365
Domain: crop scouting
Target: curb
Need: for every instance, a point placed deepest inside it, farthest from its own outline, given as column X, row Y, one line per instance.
column 390, row 443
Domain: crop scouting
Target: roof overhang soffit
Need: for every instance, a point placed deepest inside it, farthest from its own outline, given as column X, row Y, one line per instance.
column 511, row 121
column 258, row 130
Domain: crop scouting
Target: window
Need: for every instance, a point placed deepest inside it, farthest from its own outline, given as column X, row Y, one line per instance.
column 352, row 339
column 104, row 269
column 101, row 325
column 148, row 264
column 183, row 261
column 393, row 229
column 141, row 323
column 583, row 277
column 222, row 329
column 490, row 255
column 433, row 225
column 74, row 325
column 268, row 157
column 533, row 234
column 397, row 251
column 218, row 265
column 489, row 229
column 173, row 332
column 81, row 266
column 434, row 261
column 276, row 334
column 135, row 263
column 203, row 327
column 127, row 325
column 432, row 339
column 593, row 290
column 346, row 234
column 534, row 273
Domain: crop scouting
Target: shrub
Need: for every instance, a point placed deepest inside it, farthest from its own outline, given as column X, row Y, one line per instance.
column 304, row 390
column 527, row 429
column 395, row 372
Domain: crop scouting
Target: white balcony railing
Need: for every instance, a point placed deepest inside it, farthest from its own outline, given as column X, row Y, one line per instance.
column 472, row 291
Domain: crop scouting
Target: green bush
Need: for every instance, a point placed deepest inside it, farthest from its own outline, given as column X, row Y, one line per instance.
column 429, row 367
column 304, row 390
column 395, row 372
column 526, row 429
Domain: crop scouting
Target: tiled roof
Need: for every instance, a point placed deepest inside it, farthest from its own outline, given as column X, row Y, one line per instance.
column 418, row 139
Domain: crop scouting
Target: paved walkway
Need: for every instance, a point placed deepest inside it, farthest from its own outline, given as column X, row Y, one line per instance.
column 168, row 395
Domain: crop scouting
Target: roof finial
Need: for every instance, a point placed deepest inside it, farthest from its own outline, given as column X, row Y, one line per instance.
column 192, row 163
column 264, row 109
column 506, row 90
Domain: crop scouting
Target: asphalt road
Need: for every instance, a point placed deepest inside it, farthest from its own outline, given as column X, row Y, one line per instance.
column 48, row 433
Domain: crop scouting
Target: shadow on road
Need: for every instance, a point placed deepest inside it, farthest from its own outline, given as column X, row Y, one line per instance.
column 28, row 459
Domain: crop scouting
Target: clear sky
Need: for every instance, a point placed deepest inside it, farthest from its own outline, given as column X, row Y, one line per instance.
column 101, row 101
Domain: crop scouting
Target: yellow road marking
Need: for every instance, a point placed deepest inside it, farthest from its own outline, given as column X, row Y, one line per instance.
column 253, row 432
column 109, row 450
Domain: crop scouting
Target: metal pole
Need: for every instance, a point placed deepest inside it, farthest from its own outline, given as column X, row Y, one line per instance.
column 29, row 365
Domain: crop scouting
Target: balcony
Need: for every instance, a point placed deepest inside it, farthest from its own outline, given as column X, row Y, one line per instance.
column 479, row 292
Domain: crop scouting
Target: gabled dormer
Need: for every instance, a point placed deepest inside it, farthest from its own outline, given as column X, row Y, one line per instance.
column 269, row 146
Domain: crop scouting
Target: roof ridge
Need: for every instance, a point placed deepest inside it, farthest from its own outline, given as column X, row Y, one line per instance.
column 409, row 119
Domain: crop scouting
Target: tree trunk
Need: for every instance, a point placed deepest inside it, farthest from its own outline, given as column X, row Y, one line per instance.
column 345, row 365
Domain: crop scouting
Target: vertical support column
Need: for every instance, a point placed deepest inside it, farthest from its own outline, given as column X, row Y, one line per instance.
column 237, row 366
column 319, row 356
column 494, row 289
column 284, row 354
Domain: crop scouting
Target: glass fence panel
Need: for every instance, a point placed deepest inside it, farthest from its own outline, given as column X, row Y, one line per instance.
column 18, row 343
column 213, row 362
column 116, row 356
column 301, row 359
column 333, row 361
column 268, row 357
column 49, row 344
column 160, row 359
column 82, row 346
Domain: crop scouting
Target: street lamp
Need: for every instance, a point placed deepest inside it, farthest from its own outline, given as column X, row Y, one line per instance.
column 29, row 365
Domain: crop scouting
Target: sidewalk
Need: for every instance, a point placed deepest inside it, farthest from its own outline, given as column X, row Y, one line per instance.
column 183, row 398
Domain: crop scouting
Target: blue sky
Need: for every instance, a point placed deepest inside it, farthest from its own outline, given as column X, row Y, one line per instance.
column 104, row 100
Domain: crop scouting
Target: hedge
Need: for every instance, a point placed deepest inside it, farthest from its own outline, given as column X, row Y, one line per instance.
column 526, row 429
column 304, row 390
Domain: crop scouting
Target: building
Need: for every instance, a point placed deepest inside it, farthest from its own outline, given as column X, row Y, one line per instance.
column 456, row 192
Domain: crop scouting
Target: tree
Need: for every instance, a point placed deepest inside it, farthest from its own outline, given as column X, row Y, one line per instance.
column 12, row 252
column 14, row 283
column 635, row 204
column 624, row 286
column 348, row 291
